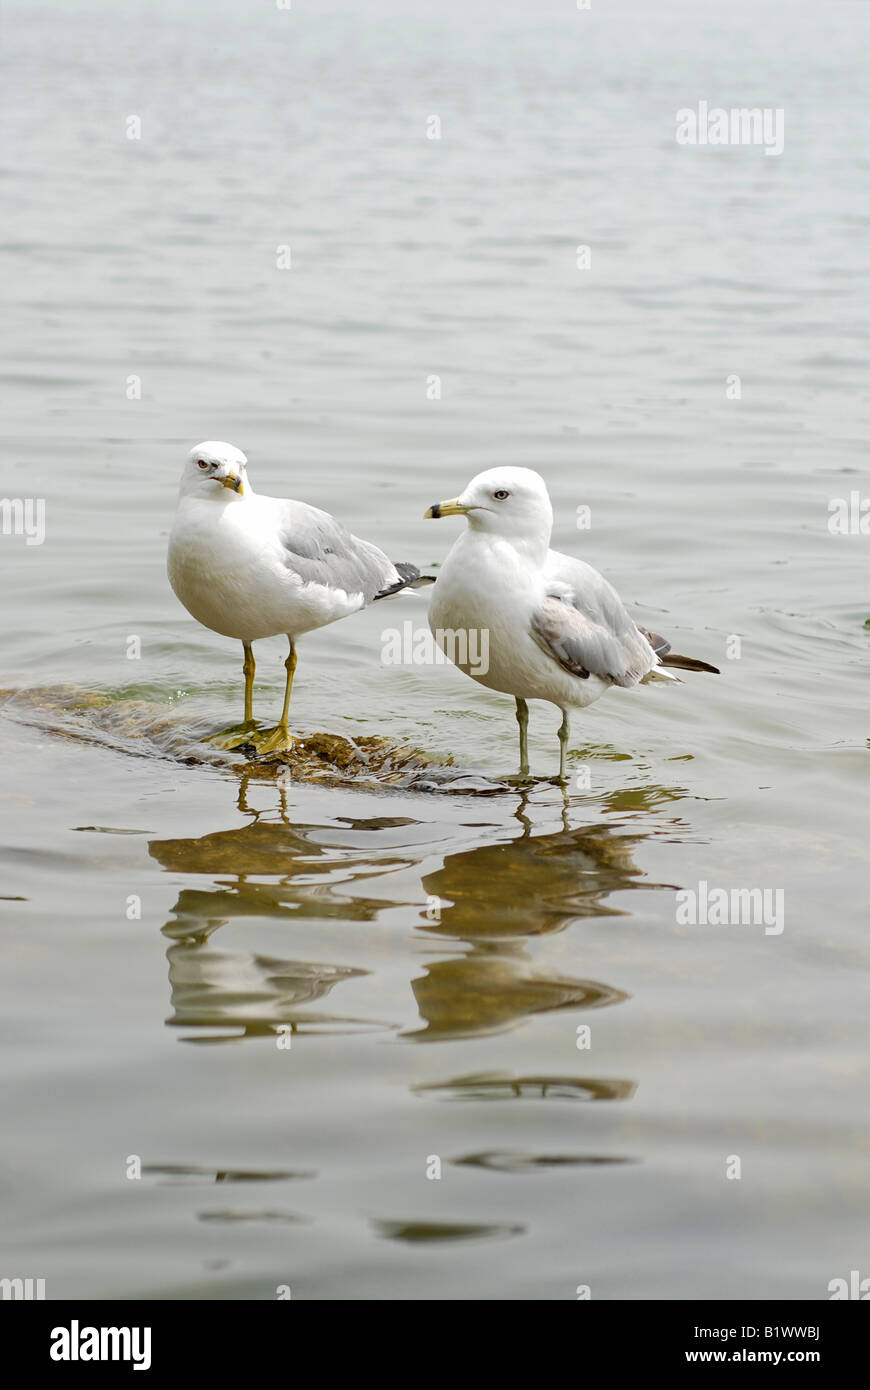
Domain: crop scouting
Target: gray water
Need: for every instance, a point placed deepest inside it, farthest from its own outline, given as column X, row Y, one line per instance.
column 430, row 946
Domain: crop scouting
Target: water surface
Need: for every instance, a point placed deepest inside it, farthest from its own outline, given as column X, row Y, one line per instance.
column 291, row 998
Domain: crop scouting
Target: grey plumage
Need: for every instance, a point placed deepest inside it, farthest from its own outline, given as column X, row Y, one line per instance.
column 322, row 551
column 584, row 625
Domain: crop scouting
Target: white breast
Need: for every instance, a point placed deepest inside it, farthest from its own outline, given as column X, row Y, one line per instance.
column 227, row 569
column 486, row 587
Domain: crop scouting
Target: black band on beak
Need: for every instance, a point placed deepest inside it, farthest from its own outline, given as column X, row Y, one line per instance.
column 435, row 512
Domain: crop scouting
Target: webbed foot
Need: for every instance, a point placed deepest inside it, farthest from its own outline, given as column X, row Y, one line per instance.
column 276, row 740
column 236, row 737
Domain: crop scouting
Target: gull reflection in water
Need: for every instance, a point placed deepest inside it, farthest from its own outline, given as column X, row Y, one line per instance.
column 495, row 897
column 493, row 900
column 254, row 994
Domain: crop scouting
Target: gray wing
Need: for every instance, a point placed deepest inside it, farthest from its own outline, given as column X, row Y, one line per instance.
column 583, row 624
column 322, row 551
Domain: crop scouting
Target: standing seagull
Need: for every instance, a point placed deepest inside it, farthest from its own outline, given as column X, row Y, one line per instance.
column 250, row 567
column 550, row 626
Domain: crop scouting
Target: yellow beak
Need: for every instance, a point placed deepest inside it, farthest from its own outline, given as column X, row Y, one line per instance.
column 233, row 481
column 452, row 508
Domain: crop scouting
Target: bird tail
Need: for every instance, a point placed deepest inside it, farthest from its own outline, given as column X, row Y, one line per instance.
column 689, row 663
column 409, row 578
column 662, row 648
column 658, row 673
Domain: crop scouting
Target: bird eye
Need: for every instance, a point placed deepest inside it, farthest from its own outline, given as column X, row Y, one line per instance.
column 501, row 495
column 201, row 463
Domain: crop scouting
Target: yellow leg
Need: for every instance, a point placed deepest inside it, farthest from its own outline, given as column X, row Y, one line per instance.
column 563, row 744
column 240, row 734
column 523, row 721
column 290, row 667
column 249, row 669
column 280, row 739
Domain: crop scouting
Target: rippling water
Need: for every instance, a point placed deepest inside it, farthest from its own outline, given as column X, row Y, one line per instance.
column 313, row 991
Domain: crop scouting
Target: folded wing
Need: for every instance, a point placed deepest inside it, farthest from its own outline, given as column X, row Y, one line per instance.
column 317, row 548
column 584, row 626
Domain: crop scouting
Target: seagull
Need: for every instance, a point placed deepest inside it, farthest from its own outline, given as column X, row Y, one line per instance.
column 248, row 567
column 521, row 618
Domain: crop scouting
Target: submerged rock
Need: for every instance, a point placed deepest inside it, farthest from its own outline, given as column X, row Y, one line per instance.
column 149, row 728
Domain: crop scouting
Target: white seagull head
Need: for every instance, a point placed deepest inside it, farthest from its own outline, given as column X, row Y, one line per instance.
column 213, row 466
column 509, row 502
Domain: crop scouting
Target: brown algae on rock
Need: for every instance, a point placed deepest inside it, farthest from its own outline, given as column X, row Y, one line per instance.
column 148, row 728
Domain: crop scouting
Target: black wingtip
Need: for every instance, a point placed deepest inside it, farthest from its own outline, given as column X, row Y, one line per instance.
column 689, row 663
column 411, row 578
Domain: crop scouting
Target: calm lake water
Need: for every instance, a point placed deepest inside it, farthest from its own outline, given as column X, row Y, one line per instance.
column 429, row 947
